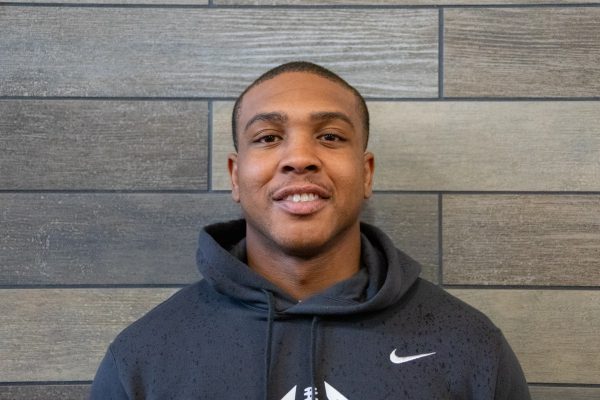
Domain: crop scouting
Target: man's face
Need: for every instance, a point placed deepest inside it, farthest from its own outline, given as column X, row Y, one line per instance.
column 301, row 173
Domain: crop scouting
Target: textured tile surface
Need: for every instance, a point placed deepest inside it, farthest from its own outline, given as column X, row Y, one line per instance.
column 72, row 51
column 553, row 332
column 523, row 240
column 530, row 52
column 82, row 144
column 104, row 238
column 73, row 328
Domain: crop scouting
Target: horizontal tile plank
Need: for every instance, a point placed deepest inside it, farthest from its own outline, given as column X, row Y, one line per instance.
column 72, row 51
column 564, row 393
column 486, row 145
column 527, row 52
column 44, row 392
column 62, row 334
column 527, row 239
column 545, row 146
column 77, row 144
column 553, row 332
column 104, row 238
column 412, row 223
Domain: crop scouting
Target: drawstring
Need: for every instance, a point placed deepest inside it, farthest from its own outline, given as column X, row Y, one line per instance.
column 313, row 343
column 270, row 318
column 313, row 355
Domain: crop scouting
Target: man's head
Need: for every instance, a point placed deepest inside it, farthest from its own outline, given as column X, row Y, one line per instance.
column 301, row 172
column 308, row 67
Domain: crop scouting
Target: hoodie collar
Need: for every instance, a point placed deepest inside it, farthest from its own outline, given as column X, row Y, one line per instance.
column 385, row 274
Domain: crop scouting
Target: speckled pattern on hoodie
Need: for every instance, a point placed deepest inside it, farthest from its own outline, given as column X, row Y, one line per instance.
column 382, row 334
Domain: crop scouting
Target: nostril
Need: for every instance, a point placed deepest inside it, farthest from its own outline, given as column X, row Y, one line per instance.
column 299, row 169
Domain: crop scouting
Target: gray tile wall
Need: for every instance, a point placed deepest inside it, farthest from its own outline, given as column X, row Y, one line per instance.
column 114, row 127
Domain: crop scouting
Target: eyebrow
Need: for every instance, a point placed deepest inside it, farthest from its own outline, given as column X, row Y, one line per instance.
column 275, row 117
column 281, row 118
column 326, row 116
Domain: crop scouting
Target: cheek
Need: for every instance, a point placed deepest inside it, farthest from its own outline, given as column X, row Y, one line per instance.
column 350, row 178
column 254, row 174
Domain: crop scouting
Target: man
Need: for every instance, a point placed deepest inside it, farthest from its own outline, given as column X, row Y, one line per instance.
column 300, row 300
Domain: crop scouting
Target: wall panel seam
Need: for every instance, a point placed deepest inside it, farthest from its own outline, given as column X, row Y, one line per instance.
column 302, row 7
column 209, row 146
column 441, row 53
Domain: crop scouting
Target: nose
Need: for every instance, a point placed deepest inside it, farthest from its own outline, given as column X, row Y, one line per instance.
column 300, row 156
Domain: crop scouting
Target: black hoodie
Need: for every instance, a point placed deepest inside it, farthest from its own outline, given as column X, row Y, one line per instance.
column 382, row 334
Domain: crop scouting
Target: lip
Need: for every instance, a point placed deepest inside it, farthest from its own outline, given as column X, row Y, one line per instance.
column 302, row 208
column 290, row 190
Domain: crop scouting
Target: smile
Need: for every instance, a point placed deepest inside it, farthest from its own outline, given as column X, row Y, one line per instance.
column 301, row 198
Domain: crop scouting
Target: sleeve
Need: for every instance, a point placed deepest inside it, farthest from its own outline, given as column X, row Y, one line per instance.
column 510, row 382
column 107, row 384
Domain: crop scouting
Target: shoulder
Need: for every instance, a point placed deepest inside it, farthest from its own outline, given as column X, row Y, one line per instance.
column 429, row 308
column 436, row 300
column 174, row 316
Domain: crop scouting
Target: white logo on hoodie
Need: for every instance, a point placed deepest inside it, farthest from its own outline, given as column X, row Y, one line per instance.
column 310, row 394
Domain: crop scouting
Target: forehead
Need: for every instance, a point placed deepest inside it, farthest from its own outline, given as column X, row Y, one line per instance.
column 298, row 94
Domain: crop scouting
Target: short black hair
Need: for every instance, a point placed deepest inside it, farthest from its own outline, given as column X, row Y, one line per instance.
column 301, row 66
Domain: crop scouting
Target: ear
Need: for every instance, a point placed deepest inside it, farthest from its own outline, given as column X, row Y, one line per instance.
column 233, row 175
column 369, row 166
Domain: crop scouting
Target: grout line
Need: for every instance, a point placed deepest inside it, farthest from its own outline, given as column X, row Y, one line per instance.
column 45, row 383
column 377, row 192
column 440, row 244
column 98, row 286
column 488, row 192
column 209, row 147
column 481, row 286
column 473, row 286
column 565, row 385
column 114, row 98
column 441, row 54
column 103, row 191
column 211, row 4
column 367, row 98
column 516, row 99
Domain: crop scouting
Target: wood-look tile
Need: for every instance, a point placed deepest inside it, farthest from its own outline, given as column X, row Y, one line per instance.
column 522, row 52
column 412, row 223
column 110, row 238
column 44, row 392
column 211, row 52
column 62, row 334
column 83, row 144
column 521, row 239
column 545, row 146
column 564, row 393
column 554, row 333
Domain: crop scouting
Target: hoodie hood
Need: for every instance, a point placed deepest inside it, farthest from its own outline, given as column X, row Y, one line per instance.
column 386, row 274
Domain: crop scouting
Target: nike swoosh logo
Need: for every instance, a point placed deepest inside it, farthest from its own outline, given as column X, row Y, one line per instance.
column 399, row 360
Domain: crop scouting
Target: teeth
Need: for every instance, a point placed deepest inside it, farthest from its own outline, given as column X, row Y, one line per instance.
column 297, row 198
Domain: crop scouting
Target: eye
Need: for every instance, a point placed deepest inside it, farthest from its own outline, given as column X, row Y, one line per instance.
column 266, row 139
column 331, row 137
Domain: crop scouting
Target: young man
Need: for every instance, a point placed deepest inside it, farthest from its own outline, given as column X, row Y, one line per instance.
column 300, row 300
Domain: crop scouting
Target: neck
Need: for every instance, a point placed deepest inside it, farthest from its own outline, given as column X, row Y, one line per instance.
column 306, row 275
